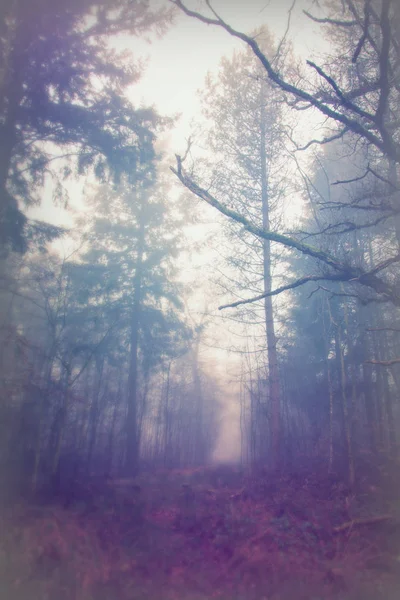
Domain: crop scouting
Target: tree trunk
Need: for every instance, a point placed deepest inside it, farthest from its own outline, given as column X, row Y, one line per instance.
column 346, row 418
column 199, row 454
column 167, row 422
column 327, row 336
column 273, row 371
column 11, row 221
column 94, row 412
column 132, row 448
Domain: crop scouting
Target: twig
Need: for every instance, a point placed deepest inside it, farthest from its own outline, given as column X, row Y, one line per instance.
column 361, row 522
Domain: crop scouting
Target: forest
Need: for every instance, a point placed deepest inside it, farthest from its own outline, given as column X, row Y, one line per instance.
column 200, row 340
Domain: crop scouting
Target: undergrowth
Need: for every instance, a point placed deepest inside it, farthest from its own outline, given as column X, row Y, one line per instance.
column 206, row 533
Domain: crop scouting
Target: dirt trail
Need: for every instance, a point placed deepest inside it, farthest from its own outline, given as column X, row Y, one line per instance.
column 206, row 533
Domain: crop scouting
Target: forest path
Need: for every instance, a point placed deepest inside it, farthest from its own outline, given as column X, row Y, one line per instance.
column 208, row 533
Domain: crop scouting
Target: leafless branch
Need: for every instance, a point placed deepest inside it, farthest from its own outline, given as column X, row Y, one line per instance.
column 389, row 148
column 383, row 179
column 394, row 329
column 383, row 363
column 385, row 264
column 353, row 180
column 283, row 40
column 283, row 288
column 342, row 97
column 344, row 272
column 327, row 21
column 383, row 63
column 326, row 140
column 364, row 36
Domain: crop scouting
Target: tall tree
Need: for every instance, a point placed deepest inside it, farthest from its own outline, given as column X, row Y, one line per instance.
column 248, row 173
column 61, row 95
column 365, row 109
column 131, row 243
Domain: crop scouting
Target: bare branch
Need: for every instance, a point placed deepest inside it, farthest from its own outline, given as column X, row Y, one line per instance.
column 390, row 149
column 353, row 180
column 342, row 97
column 283, row 40
column 283, row 288
column 250, row 227
column 364, row 36
column 383, row 179
column 344, row 272
column 337, row 22
column 394, row 329
column 383, row 63
column 360, row 522
column 383, row 363
column 326, row 140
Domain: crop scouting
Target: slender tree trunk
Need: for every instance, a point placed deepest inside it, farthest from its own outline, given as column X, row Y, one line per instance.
column 111, row 435
column 367, row 371
column 167, row 422
column 327, row 332
column 199, row 454
column 132, row 449
column 388, row 419
column 10, row 98
column 94, row 411
column 60, row 423
column 352, row 368
column 345, row 409
column 273, row 370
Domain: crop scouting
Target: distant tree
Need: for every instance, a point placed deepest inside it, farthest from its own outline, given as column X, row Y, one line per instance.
column 128, row 267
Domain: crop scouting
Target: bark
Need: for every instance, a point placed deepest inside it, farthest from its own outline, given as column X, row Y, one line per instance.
column 111, row 435
column 167, row 422
column 330, row 386
column 273, row 371
column 345, row 409
column 94, row 412
column 132, row 449
column 59, row 430
column 199, row 453
column 11, row 92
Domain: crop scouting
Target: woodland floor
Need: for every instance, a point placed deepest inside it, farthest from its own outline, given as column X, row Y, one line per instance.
column 208, row 533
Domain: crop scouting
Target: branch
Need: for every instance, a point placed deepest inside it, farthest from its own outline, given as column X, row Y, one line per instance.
column 360, row 522
column 344, row 272
column 383, row 363
column 364, row 36
column 342, row 97
column 353, row 180
column 283, row 40
column 384, row 265
column 330, row 21
column 383, row 329
column 383, row 179
column 390, row 149
column 383, row 63
column 287, row 241
column 284, row 288
column 326, row 140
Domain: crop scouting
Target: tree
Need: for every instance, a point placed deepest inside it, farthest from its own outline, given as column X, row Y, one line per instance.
column 133, row 239
column 344, row 107
column 248, row 174
column 61, row 96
